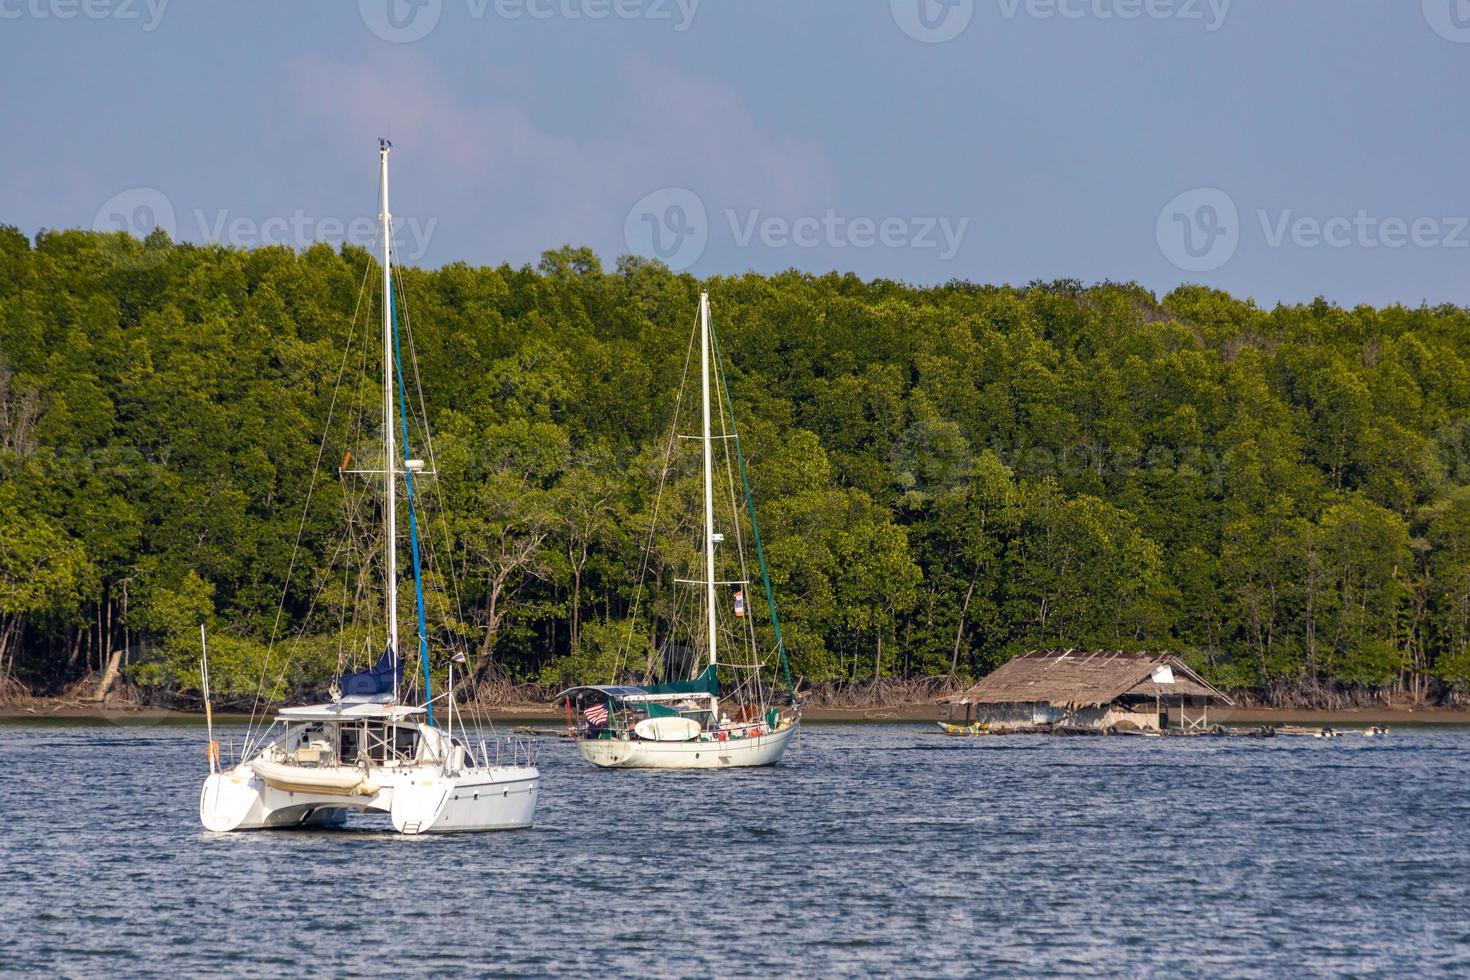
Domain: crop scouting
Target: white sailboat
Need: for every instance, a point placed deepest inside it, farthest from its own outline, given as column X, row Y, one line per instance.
column 365, row 751
column 691, row 723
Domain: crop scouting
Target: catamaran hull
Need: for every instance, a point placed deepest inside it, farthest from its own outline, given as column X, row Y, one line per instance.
column 766, row 750
column 449, row 806
column 417, row 803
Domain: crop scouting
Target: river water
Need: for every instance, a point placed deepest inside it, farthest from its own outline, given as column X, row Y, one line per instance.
column 884, row 849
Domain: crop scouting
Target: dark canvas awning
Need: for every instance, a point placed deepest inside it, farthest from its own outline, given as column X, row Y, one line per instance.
column 706, row 684
column 607, row 691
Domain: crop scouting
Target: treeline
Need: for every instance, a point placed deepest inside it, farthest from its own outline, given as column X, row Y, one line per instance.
column 946, row 475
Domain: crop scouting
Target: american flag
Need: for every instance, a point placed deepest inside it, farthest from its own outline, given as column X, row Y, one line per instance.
column 740, row 604
column 597, row 714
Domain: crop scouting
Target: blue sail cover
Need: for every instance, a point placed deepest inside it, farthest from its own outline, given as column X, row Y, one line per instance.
column 381, row 679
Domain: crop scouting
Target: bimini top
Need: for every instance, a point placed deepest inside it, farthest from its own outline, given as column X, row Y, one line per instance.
column 633, row 695
column 706, row 684
column 350, row 711
column 617, row 692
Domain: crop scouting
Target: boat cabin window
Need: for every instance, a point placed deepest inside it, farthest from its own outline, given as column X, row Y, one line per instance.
column 349, row 744
column 376, row 742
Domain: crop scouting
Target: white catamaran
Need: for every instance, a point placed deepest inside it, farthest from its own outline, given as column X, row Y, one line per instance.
column 692, row 723
column 365, row 751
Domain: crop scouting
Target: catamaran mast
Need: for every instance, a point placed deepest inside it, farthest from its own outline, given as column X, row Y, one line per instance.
column 390, row 504
column 709, row 484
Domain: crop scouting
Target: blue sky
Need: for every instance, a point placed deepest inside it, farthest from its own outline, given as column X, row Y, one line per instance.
column 1280, row 149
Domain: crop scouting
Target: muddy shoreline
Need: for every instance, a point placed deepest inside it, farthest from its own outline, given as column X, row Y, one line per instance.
column 52, row 709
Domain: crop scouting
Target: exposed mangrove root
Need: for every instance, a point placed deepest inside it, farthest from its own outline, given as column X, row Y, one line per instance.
column 13, row 694
column 885, row 693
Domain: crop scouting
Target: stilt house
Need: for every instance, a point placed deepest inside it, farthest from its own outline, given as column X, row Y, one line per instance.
column 1100, row 691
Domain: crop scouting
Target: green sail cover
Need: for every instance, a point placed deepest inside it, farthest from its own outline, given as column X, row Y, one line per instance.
column 706, row 683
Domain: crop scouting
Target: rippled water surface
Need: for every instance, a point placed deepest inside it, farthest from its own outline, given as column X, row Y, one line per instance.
column 874, row 849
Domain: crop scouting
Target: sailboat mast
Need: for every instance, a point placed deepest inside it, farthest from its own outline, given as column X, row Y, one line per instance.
column 709, row 478
column 390, row 502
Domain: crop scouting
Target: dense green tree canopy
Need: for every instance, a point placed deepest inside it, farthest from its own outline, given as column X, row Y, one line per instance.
column 945, row 475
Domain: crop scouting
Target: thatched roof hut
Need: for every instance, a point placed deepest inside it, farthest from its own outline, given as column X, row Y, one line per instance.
column 1097, row 690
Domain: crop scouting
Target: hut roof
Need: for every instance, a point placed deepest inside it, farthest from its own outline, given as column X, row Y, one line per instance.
column 1070, row 679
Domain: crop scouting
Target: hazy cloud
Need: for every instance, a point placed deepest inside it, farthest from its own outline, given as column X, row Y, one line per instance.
column 509, row 183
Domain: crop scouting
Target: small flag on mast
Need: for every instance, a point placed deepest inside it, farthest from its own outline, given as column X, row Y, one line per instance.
column 458, row 658
column 740, row 604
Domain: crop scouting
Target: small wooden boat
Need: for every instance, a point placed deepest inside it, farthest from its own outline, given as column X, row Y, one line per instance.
column 974, row 728
column 1305, row 731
